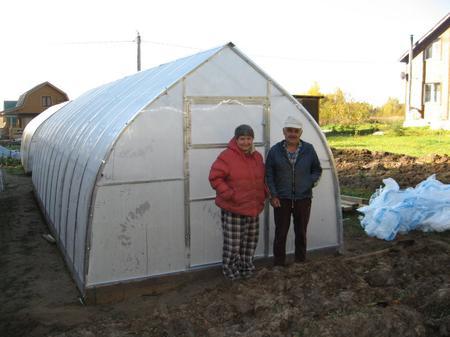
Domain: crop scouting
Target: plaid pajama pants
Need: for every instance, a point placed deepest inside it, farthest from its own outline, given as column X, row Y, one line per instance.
column 240, row 237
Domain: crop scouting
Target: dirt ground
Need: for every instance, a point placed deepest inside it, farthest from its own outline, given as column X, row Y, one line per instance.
column 374, row 288
column 366, row 170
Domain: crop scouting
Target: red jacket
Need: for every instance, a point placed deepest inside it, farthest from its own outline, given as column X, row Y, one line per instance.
column 238, row 179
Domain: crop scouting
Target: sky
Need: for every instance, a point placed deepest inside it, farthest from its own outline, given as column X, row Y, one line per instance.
column 349, row 44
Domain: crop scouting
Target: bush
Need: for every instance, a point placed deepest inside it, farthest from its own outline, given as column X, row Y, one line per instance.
column 398, row 130
column 10, row 162
column 350, row 130
column 337, row 108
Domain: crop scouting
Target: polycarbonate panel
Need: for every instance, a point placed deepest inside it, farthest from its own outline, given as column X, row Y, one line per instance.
column 227, row 75
column 137, row 231
column 322, row 229
column 28, row 133
column 157, row 133
column 206, row 233
column 215, row 123
column 200, row 161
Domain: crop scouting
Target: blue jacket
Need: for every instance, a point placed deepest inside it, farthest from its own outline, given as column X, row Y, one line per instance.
column 284, row 182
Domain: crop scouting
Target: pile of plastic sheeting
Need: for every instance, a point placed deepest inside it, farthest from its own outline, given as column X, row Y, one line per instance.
column 391, row 210
column 4, row 152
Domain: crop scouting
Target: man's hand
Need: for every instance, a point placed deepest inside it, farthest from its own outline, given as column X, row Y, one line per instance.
column 275, row 202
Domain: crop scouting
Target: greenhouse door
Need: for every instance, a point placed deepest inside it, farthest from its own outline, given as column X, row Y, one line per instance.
column 209, row 125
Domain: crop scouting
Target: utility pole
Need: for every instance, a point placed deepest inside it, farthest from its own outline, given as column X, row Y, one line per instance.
column 138, row 41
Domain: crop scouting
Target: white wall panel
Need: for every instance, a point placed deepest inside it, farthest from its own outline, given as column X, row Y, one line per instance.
column 200, row 161
column 206, row 233
column 260, row 248
column 323, row 229
column 137, row 231
column 226, row 74
column 151, row 147
column 215, row 124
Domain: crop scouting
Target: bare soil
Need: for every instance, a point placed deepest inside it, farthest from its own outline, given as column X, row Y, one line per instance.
column 363, row 169
column 373, row 288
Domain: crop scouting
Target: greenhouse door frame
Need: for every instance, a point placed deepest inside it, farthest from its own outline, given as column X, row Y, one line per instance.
column 253, row 102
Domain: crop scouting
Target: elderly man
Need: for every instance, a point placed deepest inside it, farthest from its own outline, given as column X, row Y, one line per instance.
column 292, row 169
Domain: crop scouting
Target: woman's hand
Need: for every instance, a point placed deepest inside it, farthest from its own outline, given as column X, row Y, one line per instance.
column 275, row 202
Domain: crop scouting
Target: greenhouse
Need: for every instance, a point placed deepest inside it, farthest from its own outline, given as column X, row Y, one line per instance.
column 121, row 172
column 28, row 133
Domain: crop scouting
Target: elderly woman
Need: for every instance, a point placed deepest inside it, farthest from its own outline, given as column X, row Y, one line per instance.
column 237, row 175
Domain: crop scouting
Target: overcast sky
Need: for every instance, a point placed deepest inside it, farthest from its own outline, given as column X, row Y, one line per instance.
column 78, row 45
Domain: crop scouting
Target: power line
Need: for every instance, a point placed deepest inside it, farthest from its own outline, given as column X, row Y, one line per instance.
column 279, row 57
column 319, row 60
column 171, row 45
column 94, row 42
column 130, row 41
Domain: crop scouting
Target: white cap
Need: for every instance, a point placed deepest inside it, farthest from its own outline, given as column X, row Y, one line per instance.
column 293, row 122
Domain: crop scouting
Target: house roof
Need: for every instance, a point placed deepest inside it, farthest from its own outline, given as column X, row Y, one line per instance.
column 7, row 105
column 9, row 109
column 429, row 37
column 22, row 97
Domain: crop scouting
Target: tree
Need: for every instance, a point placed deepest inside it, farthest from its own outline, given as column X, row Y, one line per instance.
column 335, row 109
column 340, row 108
column 391, row 108
column 314, row 89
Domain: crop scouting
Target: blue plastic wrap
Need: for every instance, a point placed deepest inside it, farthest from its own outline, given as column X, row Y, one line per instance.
column 4, row 152
column 392, row 210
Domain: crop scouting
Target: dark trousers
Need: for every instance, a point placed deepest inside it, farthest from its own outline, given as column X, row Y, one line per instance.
column 300, row 210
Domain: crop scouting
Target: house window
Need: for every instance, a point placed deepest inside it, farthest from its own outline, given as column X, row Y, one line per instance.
column 12, row 122
column 433, row 51
column 432, row 93
column 429, row 52
column 46, row 101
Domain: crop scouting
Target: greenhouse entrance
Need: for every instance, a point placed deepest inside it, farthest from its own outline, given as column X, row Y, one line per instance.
column 209, row 126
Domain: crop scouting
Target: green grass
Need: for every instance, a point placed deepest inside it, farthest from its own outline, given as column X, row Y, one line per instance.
column 356, row 191
column 13, row 147
column 17, row 170
column 351, row 130
column 416, row 142
column 11, row 165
